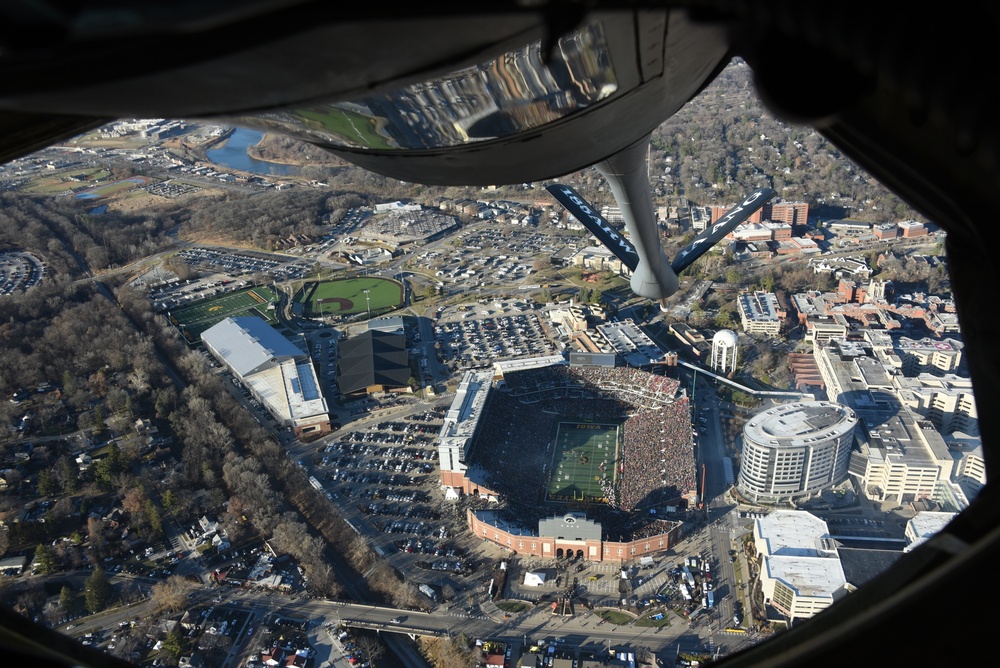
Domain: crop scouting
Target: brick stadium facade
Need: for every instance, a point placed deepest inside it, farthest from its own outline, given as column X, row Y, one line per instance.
column 551, row 547
column 459, row 480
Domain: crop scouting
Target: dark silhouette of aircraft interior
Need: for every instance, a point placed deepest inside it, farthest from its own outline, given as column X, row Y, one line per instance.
column 500, row 92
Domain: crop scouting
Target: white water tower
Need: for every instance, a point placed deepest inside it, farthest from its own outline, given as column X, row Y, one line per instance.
column 724, row 351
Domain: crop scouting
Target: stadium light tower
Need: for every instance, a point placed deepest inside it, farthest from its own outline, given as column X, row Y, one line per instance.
column 368, row 300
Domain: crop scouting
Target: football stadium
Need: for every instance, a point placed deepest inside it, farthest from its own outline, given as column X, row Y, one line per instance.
column 599, row 463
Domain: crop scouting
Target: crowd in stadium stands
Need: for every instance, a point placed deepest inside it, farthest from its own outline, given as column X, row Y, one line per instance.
column 651, row 528
column 595, row 410
column 658, row 464
column 636, row 387
column 533, row 380
column 511, row 450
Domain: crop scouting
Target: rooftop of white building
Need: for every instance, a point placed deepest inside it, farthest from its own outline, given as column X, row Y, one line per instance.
column 799, row 551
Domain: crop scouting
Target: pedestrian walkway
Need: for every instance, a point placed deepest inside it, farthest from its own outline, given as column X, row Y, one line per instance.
column 492, row 611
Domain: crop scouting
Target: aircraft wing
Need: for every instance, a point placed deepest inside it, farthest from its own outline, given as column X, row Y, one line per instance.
column 723, row 226
column 593, row 221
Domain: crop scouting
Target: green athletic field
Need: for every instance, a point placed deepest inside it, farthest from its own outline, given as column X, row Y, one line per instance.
column 346, row 296
column 581, row 451
column 195, row 318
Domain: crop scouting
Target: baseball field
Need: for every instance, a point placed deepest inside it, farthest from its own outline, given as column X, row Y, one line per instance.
column 347, row 296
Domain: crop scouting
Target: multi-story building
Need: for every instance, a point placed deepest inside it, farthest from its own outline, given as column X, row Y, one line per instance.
column 947, row 401
column 801, row 573
column 761, row 232
column 719, row 210
column 970, row 465
column 793, row 213
column 912, row 228
column 600, row 258
column 934, row 356
column 902, row 460
column 851, row 228
column 900, row 456
column 886, row 231
column 879, row 291
column 612, row 214
column 691, row 338
column 795, row 451
column 823, row 330
column 925, row 525
column 841, row 267
column 759, row 313
column 788, row 213
column 576, row 317
column 701, row 218
column 796, row 246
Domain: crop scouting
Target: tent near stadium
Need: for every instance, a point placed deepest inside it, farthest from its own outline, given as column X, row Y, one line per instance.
column 534, row 579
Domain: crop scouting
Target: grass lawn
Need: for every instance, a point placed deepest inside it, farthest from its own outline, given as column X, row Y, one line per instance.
column 514, row 606
column 115, row 187
column 614, row 617
column 647, row 620
column 50, row 183
column 605, row 280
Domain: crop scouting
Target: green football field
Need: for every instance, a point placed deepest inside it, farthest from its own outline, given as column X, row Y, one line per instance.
column 194, row 319
column 346, row 296
column 584, row 453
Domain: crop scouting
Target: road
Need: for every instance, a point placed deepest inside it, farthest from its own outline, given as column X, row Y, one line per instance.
column 579, row 631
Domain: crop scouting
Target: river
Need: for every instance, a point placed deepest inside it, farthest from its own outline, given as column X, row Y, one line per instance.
column 234, row 155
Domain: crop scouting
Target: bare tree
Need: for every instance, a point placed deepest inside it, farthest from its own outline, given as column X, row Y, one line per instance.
column 371, row 649
column 360, row 553
column 170, row 595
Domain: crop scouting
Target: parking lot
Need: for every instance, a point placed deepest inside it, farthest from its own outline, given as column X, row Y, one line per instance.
column 383, row 475
column 470, row 342
column 237, row 264
column 19, row 271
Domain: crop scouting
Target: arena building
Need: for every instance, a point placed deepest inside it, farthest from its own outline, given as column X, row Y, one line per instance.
column 275, row 371
column 406, row 224
column 796, row 450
